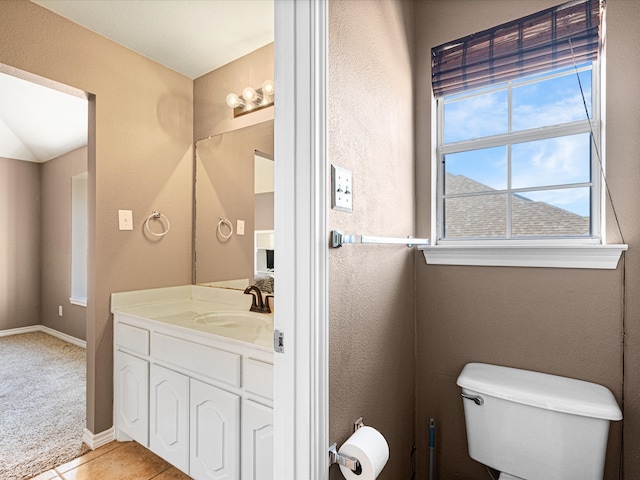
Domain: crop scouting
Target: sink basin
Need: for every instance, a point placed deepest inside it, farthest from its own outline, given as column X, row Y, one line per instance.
column 239, row 319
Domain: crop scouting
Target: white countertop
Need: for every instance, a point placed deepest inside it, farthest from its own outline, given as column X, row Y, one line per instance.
column 179, row 306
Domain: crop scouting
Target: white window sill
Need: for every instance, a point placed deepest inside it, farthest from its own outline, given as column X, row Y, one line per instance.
column 78, row 301
column 546, row 256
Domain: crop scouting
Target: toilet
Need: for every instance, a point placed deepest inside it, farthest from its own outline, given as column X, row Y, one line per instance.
column 535, row 426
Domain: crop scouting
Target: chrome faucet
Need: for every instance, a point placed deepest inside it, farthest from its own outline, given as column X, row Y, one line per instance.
column 257, row 303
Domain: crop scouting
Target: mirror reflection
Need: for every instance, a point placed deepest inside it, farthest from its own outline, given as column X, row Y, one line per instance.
column 234, row 207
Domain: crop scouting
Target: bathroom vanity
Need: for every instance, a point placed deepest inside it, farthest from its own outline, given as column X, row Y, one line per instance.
column 193, row 379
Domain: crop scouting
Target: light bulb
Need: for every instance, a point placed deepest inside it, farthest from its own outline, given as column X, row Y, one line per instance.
column 249, row 94
column 234, row 101
column 268, row 87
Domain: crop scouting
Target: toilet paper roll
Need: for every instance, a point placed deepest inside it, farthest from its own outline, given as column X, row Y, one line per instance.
column 369, row 446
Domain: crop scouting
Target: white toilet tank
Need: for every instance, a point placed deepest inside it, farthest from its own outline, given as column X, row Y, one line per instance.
column 536, row 426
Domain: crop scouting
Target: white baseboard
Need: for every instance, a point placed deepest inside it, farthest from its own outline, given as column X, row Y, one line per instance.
column 47, row 330
column 96, row 440
column 18, row 331
column 63, row 336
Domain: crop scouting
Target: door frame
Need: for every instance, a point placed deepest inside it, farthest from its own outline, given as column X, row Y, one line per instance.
column 301, row 372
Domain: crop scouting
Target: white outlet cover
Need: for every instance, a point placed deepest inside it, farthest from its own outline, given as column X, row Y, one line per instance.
column 240, row 227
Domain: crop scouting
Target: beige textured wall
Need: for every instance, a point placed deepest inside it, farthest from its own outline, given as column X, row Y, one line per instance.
column 372, row 364
column 211, row 115
column 19, row 243
column 561, row 321
column 140, row 159
column 623, row 167
column 55, row 270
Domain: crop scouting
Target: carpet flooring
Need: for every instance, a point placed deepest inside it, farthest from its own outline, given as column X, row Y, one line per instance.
column 42, row 404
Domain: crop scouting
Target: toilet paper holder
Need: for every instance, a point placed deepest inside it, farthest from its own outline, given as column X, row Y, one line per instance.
column 345, row 460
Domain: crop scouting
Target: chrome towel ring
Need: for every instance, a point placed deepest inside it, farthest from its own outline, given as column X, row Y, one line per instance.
column 158, row 216
column 227, row 223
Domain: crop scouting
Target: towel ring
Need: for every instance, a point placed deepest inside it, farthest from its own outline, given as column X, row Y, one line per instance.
column 157, row 216
column 224, row 221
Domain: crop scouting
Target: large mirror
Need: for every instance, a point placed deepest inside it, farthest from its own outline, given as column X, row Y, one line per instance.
column 234, row 207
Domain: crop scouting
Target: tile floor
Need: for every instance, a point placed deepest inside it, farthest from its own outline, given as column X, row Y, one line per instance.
column 115, row 461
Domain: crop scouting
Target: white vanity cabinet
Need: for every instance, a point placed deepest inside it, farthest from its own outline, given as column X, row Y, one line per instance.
column 200, row 401
column 132, row 398
column 257, row 441
column 257, row 421
column 215, row 433
column 169, row 416
column 131, row 375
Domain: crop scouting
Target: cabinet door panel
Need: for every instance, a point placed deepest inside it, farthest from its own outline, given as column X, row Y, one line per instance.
column 215, row 420
column 257, row 441
column 169, row 413
column 132, row 398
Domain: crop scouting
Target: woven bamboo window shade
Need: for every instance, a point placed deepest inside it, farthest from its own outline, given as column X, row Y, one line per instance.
column 543, row 41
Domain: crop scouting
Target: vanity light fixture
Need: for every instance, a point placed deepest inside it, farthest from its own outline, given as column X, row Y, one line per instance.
column 252, row 99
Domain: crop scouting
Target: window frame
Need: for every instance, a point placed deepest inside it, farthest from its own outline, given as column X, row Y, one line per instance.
column 591, row 126
column 557, row 252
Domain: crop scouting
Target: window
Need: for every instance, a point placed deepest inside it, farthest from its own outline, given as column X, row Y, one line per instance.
column 518, row 158
column 79, row 239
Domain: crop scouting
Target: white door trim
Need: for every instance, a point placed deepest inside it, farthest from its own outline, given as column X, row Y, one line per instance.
column 301, row 240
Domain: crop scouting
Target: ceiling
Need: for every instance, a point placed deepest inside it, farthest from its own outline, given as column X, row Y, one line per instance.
column 191, row 37
column 38, row 123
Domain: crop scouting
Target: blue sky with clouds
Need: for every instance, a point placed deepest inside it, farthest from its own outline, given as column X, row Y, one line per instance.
column 554, row 161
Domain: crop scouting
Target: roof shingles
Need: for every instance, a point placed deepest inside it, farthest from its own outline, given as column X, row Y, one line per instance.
column 485, row 216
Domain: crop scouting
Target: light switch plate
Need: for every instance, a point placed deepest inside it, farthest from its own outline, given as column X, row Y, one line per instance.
column 125, row 219
column 341, row 189
column 240, row 227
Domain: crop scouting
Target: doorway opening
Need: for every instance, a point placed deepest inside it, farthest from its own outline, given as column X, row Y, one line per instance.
column 43, row 148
